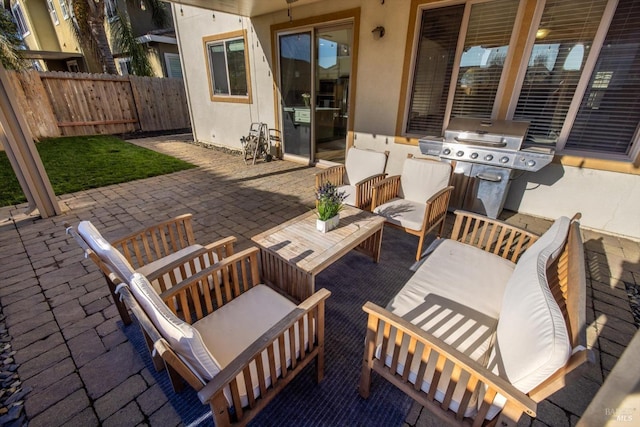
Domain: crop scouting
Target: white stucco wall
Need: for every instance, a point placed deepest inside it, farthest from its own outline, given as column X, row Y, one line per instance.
column 221, row 123
column 608, row 201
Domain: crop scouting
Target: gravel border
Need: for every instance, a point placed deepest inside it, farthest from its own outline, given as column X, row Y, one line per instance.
column 12, row 394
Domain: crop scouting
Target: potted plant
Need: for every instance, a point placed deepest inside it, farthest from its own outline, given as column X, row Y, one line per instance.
column 329, row 202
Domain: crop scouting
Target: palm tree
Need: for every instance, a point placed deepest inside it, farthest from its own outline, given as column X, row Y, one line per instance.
column 125, row 41
column 10, row 42
column 90, row 31
column 88, row 24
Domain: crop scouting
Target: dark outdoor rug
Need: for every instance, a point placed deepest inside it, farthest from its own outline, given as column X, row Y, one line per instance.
column 352, row 280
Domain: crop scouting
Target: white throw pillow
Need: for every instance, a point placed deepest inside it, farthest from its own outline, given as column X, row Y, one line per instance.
column 107, row 253
column 532, row 338
column 183, row 338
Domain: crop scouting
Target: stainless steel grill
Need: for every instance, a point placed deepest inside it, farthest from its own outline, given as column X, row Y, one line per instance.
column 486, row 152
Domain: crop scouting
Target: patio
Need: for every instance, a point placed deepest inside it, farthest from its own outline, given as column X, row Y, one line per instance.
column 80, row 366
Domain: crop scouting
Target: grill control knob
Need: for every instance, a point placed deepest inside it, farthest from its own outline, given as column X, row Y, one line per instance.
column 460, row 153
column 474, row 155
column 446, row 151
column 504, row 159
column 488, row 157
column 531, row 163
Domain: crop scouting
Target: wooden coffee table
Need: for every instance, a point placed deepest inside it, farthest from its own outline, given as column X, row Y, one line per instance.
column 293, row 253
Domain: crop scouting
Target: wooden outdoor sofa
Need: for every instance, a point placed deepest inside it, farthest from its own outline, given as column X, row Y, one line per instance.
column 214, row 325
column 492, row 322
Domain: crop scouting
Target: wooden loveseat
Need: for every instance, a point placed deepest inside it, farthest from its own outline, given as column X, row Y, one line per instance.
column 491, row 323
column 234, row 340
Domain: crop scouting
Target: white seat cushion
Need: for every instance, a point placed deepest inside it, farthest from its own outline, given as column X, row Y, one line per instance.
column 109, row 255
column 231, row 329
column 405, row 213
column 437, row 299
column 183, row 338
column 362, row 164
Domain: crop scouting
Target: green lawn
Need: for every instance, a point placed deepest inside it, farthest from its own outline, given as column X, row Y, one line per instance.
column 83, row 162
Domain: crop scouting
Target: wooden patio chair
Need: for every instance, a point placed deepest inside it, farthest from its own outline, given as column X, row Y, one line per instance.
column 165, row 253
column 362, row 169
column 491, row 323
column 417, row 200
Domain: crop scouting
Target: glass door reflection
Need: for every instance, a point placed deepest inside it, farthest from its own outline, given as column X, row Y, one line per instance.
column 296, row 90
column 332, row 74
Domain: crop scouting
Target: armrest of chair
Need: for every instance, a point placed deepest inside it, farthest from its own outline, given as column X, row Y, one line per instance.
column 436, row 208
column 364, row 190
column 220, row 248
column 334, row 175
column 385, row 190
column 144, row 246
column 517, row 402
column 492, row 235
column 313, row 307
column 214, row 286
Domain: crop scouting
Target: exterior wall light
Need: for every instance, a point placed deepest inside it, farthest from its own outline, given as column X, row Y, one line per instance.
column 378, row 32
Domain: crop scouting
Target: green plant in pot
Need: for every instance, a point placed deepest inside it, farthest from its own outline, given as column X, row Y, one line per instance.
column 329, row 203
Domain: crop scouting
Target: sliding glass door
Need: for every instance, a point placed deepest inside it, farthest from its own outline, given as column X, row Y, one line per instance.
column 315, row 70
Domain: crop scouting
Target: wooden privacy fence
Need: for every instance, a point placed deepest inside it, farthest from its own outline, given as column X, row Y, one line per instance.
column 61, row 104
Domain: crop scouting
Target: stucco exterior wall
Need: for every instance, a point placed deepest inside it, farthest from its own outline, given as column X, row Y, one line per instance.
column 609, row 201
column 222, row 123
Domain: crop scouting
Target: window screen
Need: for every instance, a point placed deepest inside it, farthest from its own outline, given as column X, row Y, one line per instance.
column 485, row 51
column 434, row 63
column 228, row 67
column 566, row 31
column 608, row 117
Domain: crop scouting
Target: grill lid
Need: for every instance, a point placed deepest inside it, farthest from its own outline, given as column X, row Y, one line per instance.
column 503, row 134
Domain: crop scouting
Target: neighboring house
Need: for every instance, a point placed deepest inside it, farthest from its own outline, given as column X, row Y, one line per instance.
column 327, row 76
column 45, row 26
column 161, row 44
column 47, row 29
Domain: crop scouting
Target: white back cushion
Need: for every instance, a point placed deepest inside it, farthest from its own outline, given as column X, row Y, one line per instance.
column 361, row 164
column 532, row 338
column 107, row 253
column 421, row 179
column 184, row 339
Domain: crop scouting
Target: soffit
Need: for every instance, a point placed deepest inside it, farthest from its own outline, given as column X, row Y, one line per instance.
column 248, row 8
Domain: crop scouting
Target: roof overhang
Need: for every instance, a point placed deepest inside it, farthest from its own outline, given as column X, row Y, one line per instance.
column 153, row 38
column 248, row 8
column 49, row 55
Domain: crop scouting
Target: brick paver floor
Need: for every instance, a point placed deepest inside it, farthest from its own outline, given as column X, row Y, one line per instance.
column 80, row 368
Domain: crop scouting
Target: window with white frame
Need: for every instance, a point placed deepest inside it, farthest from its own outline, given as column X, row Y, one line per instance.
column 125, row 66
column 451, row 79
column 111, row 9
column 18, row 17
column 52, row 12
column 172, row 62
column 228, row 67
column 64, row 9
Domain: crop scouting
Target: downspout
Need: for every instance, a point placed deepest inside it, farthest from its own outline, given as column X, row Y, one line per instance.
column 185, row 77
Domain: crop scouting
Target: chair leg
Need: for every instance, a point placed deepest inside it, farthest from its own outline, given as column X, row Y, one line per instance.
column 419, row 252
column 365, row 380
column 220, row 410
